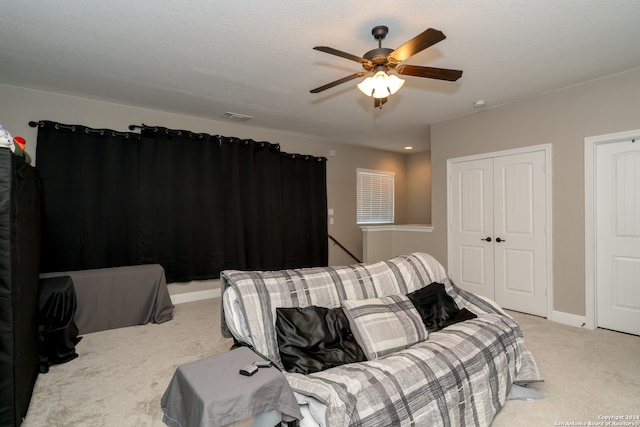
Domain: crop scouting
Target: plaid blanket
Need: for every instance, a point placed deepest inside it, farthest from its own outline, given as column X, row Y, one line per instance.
column 466, row 370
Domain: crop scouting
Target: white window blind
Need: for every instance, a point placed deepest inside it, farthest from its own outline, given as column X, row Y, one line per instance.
column 375, row 196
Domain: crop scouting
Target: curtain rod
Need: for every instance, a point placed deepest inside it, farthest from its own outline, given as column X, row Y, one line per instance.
column 85, row 129
column 73, row 128
column 274, row 146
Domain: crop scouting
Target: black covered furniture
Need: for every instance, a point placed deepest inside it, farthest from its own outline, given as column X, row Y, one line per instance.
column 19, row 287
column 58, row 331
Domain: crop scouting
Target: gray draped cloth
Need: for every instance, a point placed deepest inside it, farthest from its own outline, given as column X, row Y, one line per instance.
column 211, row 392
column 110, row 298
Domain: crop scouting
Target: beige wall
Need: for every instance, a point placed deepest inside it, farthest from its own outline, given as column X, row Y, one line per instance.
column 384, row 242
column 563, row 119
column 341, row 189
column 20, row 105
column 419, row 188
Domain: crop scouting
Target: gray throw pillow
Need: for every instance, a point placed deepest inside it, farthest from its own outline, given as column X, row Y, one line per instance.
column 384, row 325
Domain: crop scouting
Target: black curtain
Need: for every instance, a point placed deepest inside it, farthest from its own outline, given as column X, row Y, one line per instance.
column 194, row 203
column 253, row 205
column 89, row 189
column 304, row 185
column 180, row 204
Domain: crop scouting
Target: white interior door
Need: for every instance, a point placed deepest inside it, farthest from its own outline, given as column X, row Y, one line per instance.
column 520, row 232
column 617, row 222
column 472, row 239
column 498, row 239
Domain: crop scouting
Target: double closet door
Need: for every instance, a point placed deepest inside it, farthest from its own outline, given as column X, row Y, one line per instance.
column 498, row 229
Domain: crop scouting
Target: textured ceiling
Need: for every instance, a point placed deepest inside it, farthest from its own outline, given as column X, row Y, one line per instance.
column 204, row 57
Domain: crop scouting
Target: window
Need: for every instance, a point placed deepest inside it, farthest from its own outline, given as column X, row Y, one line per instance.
column 375, row 196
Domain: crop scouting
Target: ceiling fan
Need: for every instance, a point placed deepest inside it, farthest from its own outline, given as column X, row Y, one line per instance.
column 381, row 60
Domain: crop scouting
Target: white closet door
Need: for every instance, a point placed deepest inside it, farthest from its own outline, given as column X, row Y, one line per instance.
column 520, row 232
column 498, row 229
column 618, row 236
column 472, row 234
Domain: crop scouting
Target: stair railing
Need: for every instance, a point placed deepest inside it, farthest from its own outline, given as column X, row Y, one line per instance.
column 333, row 239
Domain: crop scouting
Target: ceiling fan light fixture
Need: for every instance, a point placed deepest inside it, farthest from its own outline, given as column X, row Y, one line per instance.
column 380, row 85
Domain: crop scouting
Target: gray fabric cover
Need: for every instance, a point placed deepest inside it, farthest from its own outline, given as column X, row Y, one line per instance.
column 210, row 392
column 459, row 376
column 110, row 298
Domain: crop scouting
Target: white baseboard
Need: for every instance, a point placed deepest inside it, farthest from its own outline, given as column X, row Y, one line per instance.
column 569, row 319
column 195, row 296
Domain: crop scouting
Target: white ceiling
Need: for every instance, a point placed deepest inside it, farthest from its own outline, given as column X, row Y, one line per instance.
column 205, row 57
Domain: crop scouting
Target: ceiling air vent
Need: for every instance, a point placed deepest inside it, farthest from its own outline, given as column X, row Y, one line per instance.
column 237, row 117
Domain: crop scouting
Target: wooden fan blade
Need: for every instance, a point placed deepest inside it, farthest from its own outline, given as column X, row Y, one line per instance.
column 417, row 44
column 379, row 102
column 338, row 82
column 332, row 51
column 429, row 72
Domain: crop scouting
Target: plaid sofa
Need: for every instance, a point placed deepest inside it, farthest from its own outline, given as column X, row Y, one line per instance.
column 458, row 376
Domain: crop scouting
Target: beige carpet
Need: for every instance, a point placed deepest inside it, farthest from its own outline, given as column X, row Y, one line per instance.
column 588, row 374
column 121, row 374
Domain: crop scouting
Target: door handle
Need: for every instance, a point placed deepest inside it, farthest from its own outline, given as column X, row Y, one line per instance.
column 488, row 239
column 500, row 240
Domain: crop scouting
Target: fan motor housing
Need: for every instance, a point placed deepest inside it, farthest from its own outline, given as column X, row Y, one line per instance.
column 378, row 56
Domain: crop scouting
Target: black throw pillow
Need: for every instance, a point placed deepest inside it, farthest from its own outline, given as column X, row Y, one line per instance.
column 437, row 308
column 462, row 315
column 312, row 339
